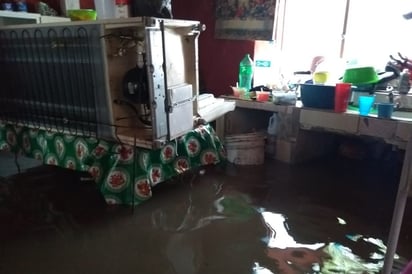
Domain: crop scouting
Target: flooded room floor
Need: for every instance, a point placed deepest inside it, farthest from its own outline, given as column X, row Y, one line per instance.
column 326, row 216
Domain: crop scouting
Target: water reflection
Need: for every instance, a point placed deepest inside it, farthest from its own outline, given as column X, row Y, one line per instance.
column 290, row 256
column 262, row 221
column 330, row 257
column 263, row 241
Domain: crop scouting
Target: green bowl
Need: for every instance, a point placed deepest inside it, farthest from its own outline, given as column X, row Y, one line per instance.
column 363, row 75
column 82, row 14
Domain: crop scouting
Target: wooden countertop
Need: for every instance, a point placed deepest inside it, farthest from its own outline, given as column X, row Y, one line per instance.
column 396, row 131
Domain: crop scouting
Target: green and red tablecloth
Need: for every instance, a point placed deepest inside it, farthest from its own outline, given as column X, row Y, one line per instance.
column 124, row 174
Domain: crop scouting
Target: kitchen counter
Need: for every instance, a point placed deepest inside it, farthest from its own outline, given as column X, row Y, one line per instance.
column 396, row 131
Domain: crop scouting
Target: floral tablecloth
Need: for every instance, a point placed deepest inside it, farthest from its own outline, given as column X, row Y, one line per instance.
column 123, row 173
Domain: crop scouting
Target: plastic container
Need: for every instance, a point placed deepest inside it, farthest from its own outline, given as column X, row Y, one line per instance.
column 320, row 77
column 7, row 5
column 273, row 124
column 82, row 15
column 271, row 138
column 366, row 104
column 404, row 84
column 121, row 9
column 246, row 72
column 284, row 98
column 66, row 5
column 342, row 95
column 20, row 5
column 317, row 96
column 104, row 8
column 262, row 96
column 385, row 110
column 361, row 75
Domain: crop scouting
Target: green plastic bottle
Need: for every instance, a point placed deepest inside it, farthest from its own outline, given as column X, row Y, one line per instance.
column 246, row 72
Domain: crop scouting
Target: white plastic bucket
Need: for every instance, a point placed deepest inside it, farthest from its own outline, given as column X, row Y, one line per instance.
column 245, row 149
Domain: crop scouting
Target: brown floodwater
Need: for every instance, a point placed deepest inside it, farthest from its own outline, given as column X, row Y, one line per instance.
column 326, row 216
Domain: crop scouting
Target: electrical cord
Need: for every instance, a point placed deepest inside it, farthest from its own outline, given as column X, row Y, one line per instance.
column 135, row 110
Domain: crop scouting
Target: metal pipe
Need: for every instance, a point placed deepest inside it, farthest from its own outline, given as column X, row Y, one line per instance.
column 345, row 26
column 399, row 209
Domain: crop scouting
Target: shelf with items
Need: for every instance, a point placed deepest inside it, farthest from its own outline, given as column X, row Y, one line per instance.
column 266, row 106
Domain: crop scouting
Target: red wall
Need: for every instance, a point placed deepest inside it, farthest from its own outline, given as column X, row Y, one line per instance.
column 55, row 4
column 218, row 58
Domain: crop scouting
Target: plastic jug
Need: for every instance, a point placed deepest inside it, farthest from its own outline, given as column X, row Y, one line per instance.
column 273, row 124
column 270, row 148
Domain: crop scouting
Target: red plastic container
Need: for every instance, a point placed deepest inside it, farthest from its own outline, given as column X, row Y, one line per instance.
column 342, row 94
column 262, row 96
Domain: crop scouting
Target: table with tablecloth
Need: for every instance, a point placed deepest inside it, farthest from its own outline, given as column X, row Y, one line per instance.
column 124, row 174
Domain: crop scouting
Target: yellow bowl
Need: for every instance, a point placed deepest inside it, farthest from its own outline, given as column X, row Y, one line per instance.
column 320, row 77
column 82, row 15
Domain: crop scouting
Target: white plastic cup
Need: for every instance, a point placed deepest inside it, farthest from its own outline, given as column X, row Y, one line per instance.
column 104, row 9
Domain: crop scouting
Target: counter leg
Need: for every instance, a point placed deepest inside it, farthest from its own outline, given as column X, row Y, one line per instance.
column 399, row 209
column 220, row 127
